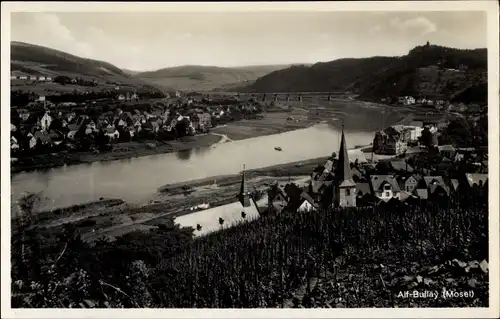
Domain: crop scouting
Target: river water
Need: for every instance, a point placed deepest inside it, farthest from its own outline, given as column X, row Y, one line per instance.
column 136, row 180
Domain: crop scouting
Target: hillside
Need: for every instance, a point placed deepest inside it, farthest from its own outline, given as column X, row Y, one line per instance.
column 130, row 72
column 432, row 71
column 203, row 78
column 33, row 60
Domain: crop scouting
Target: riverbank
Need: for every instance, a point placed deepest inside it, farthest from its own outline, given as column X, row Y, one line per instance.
column 177, row 199
column 120, row 218
column 292, row 169
column 120, row 151
column 172, row 201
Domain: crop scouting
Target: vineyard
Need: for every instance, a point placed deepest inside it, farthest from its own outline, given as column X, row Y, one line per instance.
column 337, row 258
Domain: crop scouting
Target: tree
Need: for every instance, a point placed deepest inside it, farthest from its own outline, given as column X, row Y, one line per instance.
column 181, row 127
column 221, row 221
column 102, row 141
column 426, row 138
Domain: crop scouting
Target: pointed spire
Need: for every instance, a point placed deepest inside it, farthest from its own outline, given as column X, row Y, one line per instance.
column 343, row 166
column 244, row 196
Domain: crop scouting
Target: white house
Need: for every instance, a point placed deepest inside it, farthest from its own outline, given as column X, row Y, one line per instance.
column 111, row 132
column 33, row 78
column 409, row 100
column 414, row 131
column 23, row 77
column 42, row 78
column 45, row 121
column 13, row 143
column 385, row 187
column 32, row 142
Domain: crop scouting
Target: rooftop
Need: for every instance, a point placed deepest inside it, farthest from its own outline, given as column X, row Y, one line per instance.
column 209, row 219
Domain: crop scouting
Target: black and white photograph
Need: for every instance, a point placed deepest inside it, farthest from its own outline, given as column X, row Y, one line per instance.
column 257, row 157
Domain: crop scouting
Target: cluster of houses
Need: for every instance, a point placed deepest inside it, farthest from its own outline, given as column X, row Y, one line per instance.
column 51, row 129
column 341, row 183
column 41, row 78
column 410, row 100
column 437, row 104
column 57, row 124
column 394, row 140
column 128, row 97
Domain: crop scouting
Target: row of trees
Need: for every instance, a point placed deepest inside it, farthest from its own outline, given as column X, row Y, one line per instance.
column 255, row 264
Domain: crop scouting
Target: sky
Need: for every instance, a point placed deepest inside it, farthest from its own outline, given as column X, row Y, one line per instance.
column 150, row 41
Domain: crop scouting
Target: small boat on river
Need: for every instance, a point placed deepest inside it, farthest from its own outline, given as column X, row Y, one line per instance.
column 278, row 148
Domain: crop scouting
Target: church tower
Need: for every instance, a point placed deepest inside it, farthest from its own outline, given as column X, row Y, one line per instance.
column 344, row 186
column 244, row 195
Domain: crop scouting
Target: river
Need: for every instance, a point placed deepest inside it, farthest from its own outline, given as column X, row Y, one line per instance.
column 136, row 180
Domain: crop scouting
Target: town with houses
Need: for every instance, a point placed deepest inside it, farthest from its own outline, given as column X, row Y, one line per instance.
column 42, row 126
column 438, row 173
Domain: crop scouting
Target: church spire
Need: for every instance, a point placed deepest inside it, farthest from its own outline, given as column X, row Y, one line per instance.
column 343, row 166
column 244, row 195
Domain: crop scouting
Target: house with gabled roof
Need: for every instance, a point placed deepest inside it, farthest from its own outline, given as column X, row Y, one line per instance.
column 111, row 132
column 385, row 187
column 363, row 189
column 73, row 129
column 400, row 166
column 14, row 145
column 305, row 203
column 277, row 198
column 431, row 187
column 431, row 182
column 43, row 138
column 408, row 183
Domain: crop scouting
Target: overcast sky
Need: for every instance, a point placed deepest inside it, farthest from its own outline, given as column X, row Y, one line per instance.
column 148, row 41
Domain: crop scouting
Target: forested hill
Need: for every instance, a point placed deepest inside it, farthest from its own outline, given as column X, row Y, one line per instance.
column 432, row 71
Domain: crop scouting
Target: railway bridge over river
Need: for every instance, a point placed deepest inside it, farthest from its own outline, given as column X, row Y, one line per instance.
column 285, row 96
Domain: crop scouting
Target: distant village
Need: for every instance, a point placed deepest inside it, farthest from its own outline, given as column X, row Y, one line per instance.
column 43, row 126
